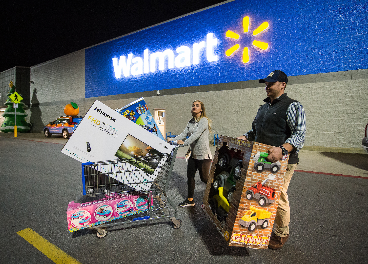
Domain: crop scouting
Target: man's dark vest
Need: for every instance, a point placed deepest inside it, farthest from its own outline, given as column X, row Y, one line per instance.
column 271, row 126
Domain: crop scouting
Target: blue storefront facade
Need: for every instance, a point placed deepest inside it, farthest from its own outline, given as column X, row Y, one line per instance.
column 232, row 42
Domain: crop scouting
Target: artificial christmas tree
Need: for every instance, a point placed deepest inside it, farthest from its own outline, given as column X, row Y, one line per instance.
column 10, row 113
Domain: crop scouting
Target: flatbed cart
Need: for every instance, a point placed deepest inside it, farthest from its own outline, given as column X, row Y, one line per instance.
column 106, row 195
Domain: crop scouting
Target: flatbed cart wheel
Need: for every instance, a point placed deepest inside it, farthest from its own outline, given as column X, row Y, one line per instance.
column 176, row 222
column 101, row 232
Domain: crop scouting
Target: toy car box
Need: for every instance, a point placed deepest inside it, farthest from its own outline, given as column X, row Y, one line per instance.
column 242, row 193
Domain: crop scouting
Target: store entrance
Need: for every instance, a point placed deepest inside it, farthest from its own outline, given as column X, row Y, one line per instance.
column 159, row 116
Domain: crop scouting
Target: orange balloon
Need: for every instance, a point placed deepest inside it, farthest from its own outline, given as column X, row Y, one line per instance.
column 71, row 109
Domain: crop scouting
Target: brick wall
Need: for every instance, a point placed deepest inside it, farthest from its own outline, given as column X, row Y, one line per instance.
column 336, row 110
column 59, row 79
column 53, row 85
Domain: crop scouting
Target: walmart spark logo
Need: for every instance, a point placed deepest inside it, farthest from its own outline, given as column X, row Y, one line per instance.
column 256, row 43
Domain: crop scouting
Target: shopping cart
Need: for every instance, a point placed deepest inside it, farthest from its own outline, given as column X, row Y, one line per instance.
column 115, row 194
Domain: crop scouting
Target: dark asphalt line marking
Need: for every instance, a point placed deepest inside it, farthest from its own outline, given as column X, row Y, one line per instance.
column 333, row 174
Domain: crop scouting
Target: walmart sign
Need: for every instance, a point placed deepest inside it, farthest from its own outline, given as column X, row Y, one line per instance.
column 184, row 56
column 232, row 42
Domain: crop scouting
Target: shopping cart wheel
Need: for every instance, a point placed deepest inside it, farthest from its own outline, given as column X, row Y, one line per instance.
column 176, row 222
column 101, row 232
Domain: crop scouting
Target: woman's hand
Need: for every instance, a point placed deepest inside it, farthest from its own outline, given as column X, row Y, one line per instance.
column 180, row 142
column 243, row 138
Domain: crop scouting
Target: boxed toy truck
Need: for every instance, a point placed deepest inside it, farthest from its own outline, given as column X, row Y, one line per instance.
column 243, row 190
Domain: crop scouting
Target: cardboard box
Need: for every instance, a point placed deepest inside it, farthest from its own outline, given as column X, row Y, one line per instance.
column 243, row 191
column 97, row 212
column 106, row 135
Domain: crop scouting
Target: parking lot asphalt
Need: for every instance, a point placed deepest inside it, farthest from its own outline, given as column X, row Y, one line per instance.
column 328, row 197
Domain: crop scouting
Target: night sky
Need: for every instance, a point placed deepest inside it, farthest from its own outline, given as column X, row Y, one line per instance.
column 34, row 32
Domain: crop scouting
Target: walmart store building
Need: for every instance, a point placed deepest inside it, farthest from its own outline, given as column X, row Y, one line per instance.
column 217, row 55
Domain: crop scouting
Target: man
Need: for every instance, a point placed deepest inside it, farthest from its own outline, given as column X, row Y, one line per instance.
column 280, row 122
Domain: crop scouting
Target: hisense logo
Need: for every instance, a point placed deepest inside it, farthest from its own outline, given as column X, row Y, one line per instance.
column 150, row 62
column 104, row 114
column 259, row 45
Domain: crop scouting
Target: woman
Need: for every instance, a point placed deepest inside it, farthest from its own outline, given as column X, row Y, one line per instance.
column 200, row 158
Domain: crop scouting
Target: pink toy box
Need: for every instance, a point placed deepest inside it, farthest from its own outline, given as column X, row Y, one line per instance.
column 84, row 215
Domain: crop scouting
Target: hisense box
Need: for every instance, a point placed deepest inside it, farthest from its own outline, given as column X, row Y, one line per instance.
column 126, row 151
column 243, row 191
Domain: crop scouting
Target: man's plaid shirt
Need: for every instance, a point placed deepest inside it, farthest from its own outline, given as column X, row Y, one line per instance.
column 295, row 118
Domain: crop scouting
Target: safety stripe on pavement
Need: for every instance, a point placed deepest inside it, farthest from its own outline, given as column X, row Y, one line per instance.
column 333, row 174
column 51, row 251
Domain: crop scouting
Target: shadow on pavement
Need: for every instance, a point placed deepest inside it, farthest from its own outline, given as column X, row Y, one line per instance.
column 207, row 231
column 210, row 236
column 357, row 160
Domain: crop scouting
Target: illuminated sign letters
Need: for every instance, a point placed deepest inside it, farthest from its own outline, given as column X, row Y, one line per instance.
column 256, row 43
column 184, row 56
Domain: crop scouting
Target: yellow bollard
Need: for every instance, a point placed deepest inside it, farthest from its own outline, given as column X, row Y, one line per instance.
column 15, row 131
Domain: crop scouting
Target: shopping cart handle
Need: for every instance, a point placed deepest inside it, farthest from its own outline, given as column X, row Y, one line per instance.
column 175, row 143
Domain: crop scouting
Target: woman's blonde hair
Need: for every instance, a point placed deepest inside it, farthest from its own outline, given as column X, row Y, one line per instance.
column 203, row 114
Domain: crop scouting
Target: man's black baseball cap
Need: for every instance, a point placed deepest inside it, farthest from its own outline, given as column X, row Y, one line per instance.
column 275, row 76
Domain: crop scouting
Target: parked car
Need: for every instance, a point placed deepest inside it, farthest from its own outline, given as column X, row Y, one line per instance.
column 64, row 125
column 365, row 139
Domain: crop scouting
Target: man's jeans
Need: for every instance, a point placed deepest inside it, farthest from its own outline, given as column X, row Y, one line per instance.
column 282, row 218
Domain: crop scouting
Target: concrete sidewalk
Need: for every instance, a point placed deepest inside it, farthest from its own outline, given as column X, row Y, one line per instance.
column 334, row 163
